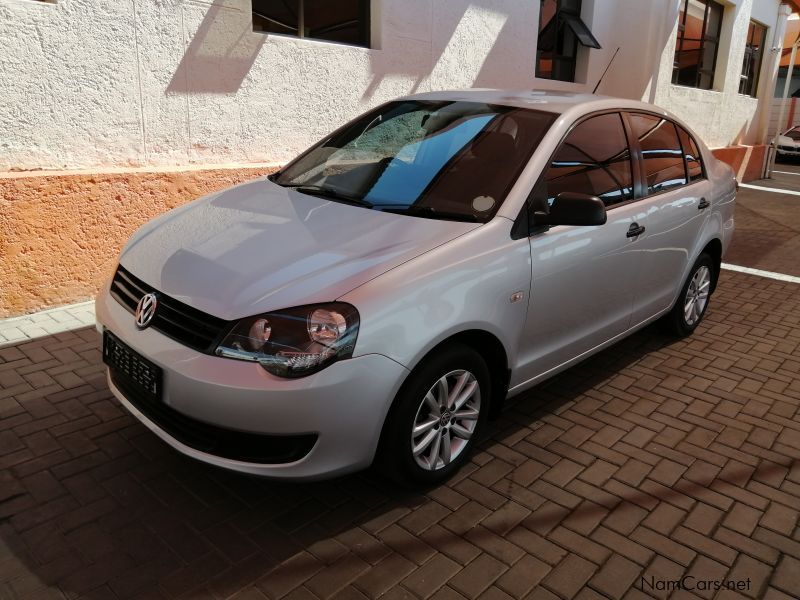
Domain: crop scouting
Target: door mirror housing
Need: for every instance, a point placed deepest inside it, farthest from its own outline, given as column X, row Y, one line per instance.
column 569, row 208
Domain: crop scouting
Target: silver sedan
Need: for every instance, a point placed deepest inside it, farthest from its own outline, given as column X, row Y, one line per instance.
column 377, row 298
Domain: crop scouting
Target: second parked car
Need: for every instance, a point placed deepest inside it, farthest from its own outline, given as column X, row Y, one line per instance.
column 379, row 295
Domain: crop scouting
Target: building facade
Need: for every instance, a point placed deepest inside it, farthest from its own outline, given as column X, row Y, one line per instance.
column 116, row 111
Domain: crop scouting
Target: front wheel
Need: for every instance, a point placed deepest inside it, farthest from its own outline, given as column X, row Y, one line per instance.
column 436, row 417
column 692, row 303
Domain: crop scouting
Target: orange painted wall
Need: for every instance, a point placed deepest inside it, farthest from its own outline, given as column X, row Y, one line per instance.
column 60, row 234
column 747, row 161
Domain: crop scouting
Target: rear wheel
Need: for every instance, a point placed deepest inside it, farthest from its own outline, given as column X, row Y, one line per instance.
column 692, row 303
column 436, row 417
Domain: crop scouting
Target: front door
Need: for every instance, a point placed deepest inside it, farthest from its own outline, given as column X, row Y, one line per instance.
column 583, row 278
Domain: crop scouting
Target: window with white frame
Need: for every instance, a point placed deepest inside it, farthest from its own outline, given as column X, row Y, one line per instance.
column 343, row 21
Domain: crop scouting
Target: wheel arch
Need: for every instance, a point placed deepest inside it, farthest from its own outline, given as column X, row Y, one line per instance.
column 484, row 343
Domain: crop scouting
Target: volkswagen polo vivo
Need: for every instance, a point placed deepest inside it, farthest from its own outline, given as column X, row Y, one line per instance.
column 380, row 294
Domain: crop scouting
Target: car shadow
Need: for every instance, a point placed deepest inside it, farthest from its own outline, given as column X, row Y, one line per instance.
column 106, row 508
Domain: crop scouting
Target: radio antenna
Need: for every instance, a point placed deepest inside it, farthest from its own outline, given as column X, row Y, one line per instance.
column 594, row 91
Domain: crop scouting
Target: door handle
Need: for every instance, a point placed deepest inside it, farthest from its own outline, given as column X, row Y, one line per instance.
column 703, row 204
column 635, row 230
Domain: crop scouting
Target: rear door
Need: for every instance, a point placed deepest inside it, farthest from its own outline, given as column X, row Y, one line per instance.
column 583, row 278
column 677, row 202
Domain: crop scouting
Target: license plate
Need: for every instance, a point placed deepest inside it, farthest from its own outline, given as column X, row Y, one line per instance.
column 134, row 371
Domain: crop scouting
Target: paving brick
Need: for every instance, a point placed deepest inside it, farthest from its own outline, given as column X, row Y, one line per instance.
column 665, row 518
column 625, row 518
column 705, row 569
column 431, row 576
column 755, row 573
column 616, row 577
column 787, row 576
column 494, row 544
column 747, row 545
column 780, row 518
column 742, row 518
column 663, row 545
column 569, row 576
column 479, row 575
column 703, row 518
column 536, row 545
column 343, row 572
column 384, row 576
column 653, row 457
column 526, row 574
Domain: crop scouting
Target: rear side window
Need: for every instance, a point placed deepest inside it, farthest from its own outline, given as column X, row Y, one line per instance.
column 694, row 163
column 594, row 159
column 661, row 152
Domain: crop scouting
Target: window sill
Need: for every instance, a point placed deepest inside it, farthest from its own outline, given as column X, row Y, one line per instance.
column 294, row 38
column 697, row 89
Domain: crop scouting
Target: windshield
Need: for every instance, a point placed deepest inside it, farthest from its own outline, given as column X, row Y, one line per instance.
column 793, row 133
column 444, row 159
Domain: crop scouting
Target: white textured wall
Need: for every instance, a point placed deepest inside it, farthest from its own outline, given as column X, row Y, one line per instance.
column 722, row 116
column 89, row 83
column 100, row 83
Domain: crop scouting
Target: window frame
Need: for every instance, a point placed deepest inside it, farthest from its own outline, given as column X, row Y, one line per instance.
column 364, row 26
column 748, row 78
column 571, row 10
column 701, row 50
column 522, row 226
column 643, row 174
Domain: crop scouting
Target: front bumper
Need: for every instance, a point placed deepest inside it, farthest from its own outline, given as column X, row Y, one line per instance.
column 343, row 406
column 788, row 151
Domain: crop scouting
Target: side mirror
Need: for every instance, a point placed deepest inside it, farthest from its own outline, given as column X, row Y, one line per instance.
column 573, row 209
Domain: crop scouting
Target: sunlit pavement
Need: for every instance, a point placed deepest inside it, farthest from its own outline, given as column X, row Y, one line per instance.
column 768, row 223
column 658, row 458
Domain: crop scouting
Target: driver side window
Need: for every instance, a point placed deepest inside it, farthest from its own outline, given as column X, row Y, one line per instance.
column 594, row 159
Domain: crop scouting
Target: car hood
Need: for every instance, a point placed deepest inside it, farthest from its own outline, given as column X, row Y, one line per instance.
column 785, row 140
column 259, row 247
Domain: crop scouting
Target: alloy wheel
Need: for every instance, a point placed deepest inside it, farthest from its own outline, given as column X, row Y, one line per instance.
column 697, row 296
column 445, row 420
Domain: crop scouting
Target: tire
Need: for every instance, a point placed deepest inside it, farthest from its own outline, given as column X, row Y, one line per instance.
column 692, row 303
column 419, row 404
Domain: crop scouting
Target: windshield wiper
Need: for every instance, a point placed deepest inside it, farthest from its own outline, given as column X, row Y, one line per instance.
column 330, row 194
column 429, row 212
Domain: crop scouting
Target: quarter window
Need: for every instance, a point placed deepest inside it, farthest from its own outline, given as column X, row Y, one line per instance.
column 753, row 53
column 662, row 155
column 594, row 159
column 699, row 26
column 560, row 31
column 343, row 21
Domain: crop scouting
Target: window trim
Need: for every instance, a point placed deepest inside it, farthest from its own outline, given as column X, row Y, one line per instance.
column 643, row 173
column 755, row 75
column 522, row 227
column 582, row 34
column 364, row 21
column 703, row 38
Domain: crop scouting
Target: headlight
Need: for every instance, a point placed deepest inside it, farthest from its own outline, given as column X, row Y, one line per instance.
column 296, row 341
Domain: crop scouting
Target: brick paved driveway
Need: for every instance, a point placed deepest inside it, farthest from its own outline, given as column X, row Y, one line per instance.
column 657, row 458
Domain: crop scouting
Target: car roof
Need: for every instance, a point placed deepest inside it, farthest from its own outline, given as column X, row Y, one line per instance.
column 549, row 101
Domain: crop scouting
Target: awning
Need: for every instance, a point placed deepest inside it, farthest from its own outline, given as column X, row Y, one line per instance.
column 548, row 37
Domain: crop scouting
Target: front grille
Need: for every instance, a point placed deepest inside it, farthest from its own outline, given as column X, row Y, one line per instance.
column 181, row 322
column 788, row 148
column 218, row 441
